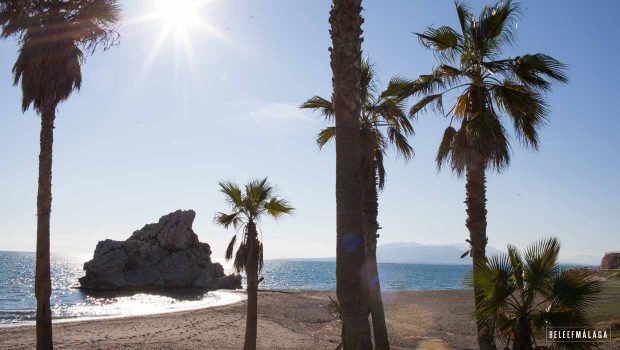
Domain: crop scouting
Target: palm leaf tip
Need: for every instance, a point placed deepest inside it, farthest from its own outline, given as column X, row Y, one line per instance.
column 445, row 147
column 277, row 207
column 230, row 248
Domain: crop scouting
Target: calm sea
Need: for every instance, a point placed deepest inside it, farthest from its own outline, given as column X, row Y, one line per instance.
column 17, row 301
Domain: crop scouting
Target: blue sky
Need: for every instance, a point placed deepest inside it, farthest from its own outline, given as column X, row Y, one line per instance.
column 149, row 134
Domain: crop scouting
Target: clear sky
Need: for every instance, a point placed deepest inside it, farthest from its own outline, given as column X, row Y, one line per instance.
column 151, row 132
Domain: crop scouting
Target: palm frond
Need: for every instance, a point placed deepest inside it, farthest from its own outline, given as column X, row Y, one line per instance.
column 400, row 142
column 257, row 191
column 241, row 257
column 54, row 38
column 261, row 261
column 497, row 25
column 536, row 70
column 325, row 136
column 526, row 108
column 465, row 15
column 495, row 284
column 574, row 289
column 228, row 220
column 232, row 193
column 318, row 103
column 516, row 261
column 444, row 41
column 541, row 264
column 435, row 101
column 367, row 81
column 445, row 147
column 230, row 248
column 276, row 207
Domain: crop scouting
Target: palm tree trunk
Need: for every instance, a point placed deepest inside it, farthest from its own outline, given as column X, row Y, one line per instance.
column 522, row 338
column 476, row 223
column 42, row 282
column 351, row 276
column 251, row 323
column 371, row 226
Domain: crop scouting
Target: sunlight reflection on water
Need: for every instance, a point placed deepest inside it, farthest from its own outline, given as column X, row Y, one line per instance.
column 18, row 304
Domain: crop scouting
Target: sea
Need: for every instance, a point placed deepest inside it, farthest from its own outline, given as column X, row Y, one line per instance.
column 18, row 303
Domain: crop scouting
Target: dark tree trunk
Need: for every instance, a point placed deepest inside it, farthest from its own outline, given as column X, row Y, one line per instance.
column 251, row 323
column 42, row 282
column 476, row 223
column 351, row 276
column 522, row 338
column 371, row 226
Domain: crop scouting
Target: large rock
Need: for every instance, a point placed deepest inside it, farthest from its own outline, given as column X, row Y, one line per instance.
column 161, row 255
column 611, row 261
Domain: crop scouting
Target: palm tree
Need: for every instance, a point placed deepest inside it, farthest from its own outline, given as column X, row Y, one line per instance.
column 248, row 206
column 52, row 35
column 522, row 294
column 379, row 117
column 489, row 89
column 351, row 277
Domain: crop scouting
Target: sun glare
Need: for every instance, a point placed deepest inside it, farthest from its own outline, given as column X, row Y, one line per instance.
column 180, row 15
column 183, row 21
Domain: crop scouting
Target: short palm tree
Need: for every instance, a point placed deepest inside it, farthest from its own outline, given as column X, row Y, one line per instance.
column 383, row 123
column 52, row 36
column 488, row 90
column 522, row 294
column 249, row 205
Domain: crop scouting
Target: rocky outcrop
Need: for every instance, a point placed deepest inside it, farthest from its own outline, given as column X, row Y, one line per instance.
column 610, row 261
column 166, row 254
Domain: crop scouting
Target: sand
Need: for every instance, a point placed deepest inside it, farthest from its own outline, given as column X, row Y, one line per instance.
column 286, row 320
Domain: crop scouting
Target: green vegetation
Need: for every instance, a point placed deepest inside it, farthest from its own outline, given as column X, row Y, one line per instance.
column 383, row 123
column 606, row 311
column 52, row 35
column 489, row 89
column 257, row 199
column 522, row 294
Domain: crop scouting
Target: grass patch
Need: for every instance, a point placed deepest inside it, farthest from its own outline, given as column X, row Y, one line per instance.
column 606, row 312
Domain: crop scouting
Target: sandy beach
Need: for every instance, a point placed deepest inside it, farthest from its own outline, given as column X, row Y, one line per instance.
column 287, row 320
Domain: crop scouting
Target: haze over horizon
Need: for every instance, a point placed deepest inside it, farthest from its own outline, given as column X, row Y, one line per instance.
column 153, row 131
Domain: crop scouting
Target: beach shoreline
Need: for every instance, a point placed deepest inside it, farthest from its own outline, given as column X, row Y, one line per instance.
column 287, row 319
column 228, row 296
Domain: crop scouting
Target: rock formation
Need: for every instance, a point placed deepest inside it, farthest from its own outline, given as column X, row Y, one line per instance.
column 166, row 254
column 610, row 261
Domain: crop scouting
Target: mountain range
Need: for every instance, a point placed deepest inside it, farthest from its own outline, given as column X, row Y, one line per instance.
column 416, row 253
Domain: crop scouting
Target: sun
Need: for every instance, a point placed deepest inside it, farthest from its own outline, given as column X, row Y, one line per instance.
column 185, row 22
column 180, row 16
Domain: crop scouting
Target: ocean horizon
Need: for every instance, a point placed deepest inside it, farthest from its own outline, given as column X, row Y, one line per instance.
column 18, row 303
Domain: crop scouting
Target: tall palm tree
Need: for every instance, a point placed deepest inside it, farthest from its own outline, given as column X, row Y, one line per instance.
column 383, row 122
column 351, row 278
column 53, row 36
column 522, row 294
column 258, row 198
column 489, row 89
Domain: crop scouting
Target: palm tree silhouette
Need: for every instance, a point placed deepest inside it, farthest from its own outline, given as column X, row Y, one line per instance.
column 53, row 37
column 489, row 89
column 383, row 123
column 248, row 206
column 346, row 21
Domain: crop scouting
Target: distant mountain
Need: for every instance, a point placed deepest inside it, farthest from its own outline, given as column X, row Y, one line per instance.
column 415, row 253
column 449, row 254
